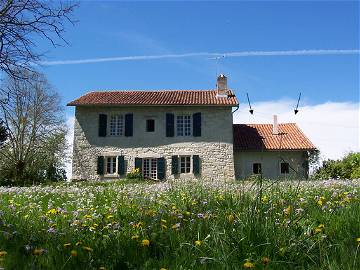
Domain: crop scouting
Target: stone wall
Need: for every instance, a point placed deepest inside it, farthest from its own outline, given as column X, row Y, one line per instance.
column 215, row 146
column 270, row 163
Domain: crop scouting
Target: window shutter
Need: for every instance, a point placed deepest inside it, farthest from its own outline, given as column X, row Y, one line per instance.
column 196, row 164
column 161, row 168
column 138, row 164
column 128, row 125
column 174, row 165
column 121, row 165
column 170, row 125
column 197, row 124
column 100, row 165
column 102, row 125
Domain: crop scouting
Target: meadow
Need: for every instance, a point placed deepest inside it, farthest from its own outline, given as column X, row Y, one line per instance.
column 181, row 225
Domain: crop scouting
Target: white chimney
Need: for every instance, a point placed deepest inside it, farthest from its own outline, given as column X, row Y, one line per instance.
column 275, row 126
column 221, row 86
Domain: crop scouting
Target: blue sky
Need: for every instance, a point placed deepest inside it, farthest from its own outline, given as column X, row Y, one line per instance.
column 114, row 28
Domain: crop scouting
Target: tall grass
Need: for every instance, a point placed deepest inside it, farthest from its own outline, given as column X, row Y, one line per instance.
column 187, row 225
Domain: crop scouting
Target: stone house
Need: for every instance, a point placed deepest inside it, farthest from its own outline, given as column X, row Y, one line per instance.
column 168, row 134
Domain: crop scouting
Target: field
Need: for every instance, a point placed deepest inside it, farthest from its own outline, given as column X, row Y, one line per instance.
column 181, row 225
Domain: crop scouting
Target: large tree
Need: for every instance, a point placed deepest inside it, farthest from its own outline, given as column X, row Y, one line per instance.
column 24, row 21
column 35, row 124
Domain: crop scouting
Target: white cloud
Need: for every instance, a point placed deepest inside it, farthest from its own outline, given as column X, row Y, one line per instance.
column 332, row 126
column 200, row 54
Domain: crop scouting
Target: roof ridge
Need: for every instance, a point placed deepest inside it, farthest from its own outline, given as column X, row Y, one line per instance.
column 150, row 90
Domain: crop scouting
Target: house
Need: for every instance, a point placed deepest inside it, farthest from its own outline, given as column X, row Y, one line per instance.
column 169, row 134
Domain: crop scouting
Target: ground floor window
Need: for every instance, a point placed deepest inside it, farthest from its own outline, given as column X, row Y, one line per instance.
column 185, row 164
column 150, row 168
column 110, row 165
column 284, row 168
column 257, row 168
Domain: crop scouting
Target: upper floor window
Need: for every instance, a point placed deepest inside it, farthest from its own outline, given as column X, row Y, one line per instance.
column 116, row 125
column 150, row 125
column 183, row 125
column 257, row 168
column 284, row 168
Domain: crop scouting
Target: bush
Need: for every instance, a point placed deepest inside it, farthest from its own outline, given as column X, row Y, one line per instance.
column 135, row 174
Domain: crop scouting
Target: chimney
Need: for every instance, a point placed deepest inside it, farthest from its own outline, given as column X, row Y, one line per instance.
column 275, row 126
column 221, row 86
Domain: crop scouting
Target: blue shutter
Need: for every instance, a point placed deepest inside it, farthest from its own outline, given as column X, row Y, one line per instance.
column 174, row 165
column 100, row 165
column 161, row 168
column 121, row 165
column 170, row 125
column 138, row 164
column 128, row 125
column 197, row 124
column 196, row 165
column 102, row 125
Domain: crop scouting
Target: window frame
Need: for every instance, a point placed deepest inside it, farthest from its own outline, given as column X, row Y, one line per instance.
column 112, row 164
column 119, row 126
column 288, row 168
column 152, row 161
column 184, row 125
column 259, row 166
column 147, row 125
column 190, row 167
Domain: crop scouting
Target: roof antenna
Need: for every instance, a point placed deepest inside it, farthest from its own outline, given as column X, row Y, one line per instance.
column 297, row 105
column 251, row 110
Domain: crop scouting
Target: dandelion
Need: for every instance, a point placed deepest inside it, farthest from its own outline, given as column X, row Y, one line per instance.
column 197, row 243
column 264, row 199
column 248, row 265
column 89, row 249
column 145, row 243
column 231, row 218
column 67, row 245
column 3, row 253
column 52, row 212
column 73, row 253
column 358, row 240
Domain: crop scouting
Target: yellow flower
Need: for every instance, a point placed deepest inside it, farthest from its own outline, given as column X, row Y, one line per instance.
column 162, row 268
column 78, row 243
column 67, row 245
column 38, row 252
column 318, row 230
column 102, row 268
column 145, row 243
column 320, row 202
column 287, row 210
column 231, row 218
column 264, row 199
column 134, row 237
column 197, row 243
column 265, row 260
column 358, row 240
column 321, row 226
column 73, row 253
column 3, row 253
column 88, row 249
column 51, row 212
column 249, row 265
column 109, row 216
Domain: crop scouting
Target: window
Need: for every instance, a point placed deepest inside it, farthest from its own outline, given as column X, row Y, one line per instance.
column 150, row 125
column 116, row 125
column 185, row 166
column 257, row 168
column 183, row 125
column 150, row 168
column 110, row 165
column 284, row 168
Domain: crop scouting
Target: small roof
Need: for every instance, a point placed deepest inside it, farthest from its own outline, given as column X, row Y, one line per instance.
column 258, row 137
column 156, row 98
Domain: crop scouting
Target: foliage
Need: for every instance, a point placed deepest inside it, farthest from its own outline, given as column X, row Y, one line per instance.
column 135, row 174
column 34, row 119
column 190, row 225
column 3, row 133
column 348, row 168
column 22, row 21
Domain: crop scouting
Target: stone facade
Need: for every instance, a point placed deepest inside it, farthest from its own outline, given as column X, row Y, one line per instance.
column 270, row 164
column 214, row 146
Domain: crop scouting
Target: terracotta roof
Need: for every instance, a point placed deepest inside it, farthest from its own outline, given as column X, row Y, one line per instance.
column 290, row 137
column 163, row 97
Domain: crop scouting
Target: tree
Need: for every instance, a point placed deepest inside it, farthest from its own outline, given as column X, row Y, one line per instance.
column 35, row 123
column 21, row 21
column 3, row 133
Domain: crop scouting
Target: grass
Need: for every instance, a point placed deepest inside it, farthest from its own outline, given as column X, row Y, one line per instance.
column 181, row 225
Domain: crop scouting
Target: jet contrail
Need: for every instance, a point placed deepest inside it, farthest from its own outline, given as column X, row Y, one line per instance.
column 199, row 54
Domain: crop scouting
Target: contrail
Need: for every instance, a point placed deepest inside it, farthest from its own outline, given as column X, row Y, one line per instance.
column 199, row 54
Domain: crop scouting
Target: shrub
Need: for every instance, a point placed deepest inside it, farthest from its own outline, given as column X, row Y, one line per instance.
column 135, row 174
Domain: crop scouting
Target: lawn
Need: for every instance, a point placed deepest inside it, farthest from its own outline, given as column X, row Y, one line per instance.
column 181, row 225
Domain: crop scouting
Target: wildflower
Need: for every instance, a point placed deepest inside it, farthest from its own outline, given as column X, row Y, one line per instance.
column 187, row 213
column 287, row 210
column 231, row 218
column 87, row 216
column 162, row 268
column 176, row 226
column 78, row 243
column 264, row 199
column 73, row 253
column 3, row 253
column 39, row 252
column 358, row 240
column 145, row 243
column 197, row 243
column 88, row 249
column 265, row 260
column 52, row 212
column 67, row 245
column 102, row 268
column 135, row 237
column 109, row 216
column 163, row 221
column 249, row 265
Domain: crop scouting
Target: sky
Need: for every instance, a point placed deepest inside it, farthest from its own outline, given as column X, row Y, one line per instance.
column 273, row 51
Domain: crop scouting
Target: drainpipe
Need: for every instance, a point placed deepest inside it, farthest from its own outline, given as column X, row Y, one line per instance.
column 237, row 107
